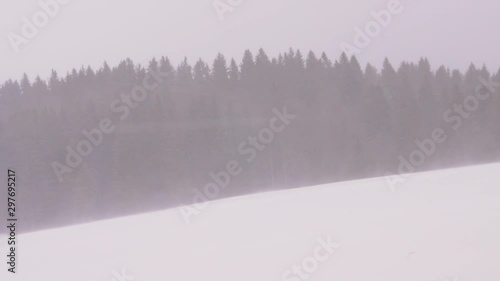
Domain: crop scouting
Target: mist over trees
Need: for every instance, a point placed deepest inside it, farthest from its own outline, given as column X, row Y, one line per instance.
column 352, row 122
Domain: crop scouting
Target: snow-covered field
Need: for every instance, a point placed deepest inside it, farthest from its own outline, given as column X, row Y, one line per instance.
column 442, row 225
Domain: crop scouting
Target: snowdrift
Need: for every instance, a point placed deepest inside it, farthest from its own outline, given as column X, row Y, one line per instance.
column 442, row 225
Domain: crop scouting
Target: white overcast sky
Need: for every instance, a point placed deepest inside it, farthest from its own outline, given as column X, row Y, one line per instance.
column 88, row 32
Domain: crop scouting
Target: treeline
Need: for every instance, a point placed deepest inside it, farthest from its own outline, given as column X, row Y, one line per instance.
column 352, row 122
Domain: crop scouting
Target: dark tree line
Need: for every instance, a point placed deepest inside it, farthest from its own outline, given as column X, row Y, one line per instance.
column 351, row 123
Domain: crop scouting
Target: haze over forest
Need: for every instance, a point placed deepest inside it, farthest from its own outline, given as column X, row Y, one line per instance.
column 337, row 121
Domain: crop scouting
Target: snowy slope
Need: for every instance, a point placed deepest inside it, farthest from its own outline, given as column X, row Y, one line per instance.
column 441, row 225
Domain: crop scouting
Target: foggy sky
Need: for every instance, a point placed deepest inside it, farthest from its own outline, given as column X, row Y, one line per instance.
column 88, row 32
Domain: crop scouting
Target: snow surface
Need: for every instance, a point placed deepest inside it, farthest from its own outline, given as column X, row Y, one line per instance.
column 442, row 225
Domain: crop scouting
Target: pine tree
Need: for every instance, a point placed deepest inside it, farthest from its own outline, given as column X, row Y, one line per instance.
column 219, row 71
column 54, row 82
column 25, row 85
column 388, row 74
column 371, row 74
column 184, row 72
column 234, row 73
column 247, row 69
